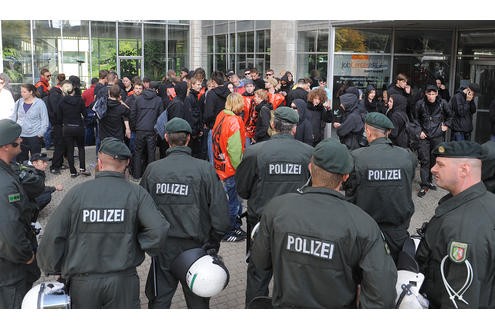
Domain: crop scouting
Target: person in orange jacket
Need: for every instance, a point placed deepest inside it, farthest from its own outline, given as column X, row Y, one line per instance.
column 228, row 139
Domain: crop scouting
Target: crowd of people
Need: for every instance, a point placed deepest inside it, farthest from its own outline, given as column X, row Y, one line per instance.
column 327, row 218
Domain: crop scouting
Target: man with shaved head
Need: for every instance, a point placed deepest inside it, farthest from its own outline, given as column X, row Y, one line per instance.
column 457, row 251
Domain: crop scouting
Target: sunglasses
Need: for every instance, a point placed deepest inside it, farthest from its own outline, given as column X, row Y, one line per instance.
column 247, row 73
column 268, row 74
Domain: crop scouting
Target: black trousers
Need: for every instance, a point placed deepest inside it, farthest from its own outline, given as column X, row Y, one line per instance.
column 118, row 290
column 144, row 154
column 427, row 159
column 160, row 294
column 257, row 280
column 70, row 142
column 60, row 148
column 29, row 146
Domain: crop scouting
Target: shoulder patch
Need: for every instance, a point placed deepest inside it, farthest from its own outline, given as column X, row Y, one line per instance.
column 458, row 251
column 14, row 197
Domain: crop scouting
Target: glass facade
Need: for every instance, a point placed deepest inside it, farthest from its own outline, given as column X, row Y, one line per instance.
column 236, row 45
column 312, row 52
column 83, row 48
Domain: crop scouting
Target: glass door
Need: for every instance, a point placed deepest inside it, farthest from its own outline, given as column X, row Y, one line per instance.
column 483, row 73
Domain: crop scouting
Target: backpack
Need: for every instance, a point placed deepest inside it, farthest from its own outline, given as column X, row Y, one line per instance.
column 100, row 106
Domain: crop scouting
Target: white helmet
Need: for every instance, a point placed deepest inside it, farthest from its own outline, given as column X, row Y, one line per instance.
column 47, row 295
column 205, row 275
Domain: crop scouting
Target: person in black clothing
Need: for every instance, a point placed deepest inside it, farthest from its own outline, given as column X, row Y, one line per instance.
column 71, row 112
column 176, row 108
column 370, row 100
column 143, row 117
column 316, row 98
column 396, row 112
column 351, row 129
column 492, row 119
column 443, row 92
column 52, row 103
column 463, row 107
column 40, row 162
column 434, row 116
column 286, row 83
column 304, row 130
column 102, row 81
column 259, row 83
column 111, row 124
column 264, row 109
column 300, row 92
column 214, row 103
column 193, row 106
column 402, row 88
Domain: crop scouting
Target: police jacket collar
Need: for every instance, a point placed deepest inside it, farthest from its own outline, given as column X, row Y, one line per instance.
column 382, row 140
column 282, row 136
column 322, row 190
column 449, row 203
column 179, row 150
column 102, row 174
column 7, row 167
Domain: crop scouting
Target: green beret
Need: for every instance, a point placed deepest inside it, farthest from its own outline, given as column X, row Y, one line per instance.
column 379, row 121
column 332, row 156
column 459, row 149
column 9, row 131
column 177, row 125
column 115, row 148
column 287, row 114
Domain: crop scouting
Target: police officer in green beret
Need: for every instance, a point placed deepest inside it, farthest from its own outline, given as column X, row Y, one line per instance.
column 99, row 233
column 18, row 268
column 488, row 165
column 322, row 247
column 268, row 169
column 189, row 194
column 381, row 181
column 457, row 251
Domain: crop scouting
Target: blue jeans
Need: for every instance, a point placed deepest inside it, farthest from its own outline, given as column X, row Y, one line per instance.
column 235, row 206
column 210, row 148
column 48, row 136
column 459, row 136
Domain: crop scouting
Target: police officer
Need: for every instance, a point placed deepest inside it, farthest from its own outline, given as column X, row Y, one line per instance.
column 322, row 247
column 268, row 169
column 190, row 195
column 18, row 268
column 98, row 234
column 457, row 251
column 381, row 182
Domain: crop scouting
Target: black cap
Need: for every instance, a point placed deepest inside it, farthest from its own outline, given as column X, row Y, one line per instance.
column 431, row 87
column 332, row 156
column 287, row 114
column 176, row 125
column 474, row 87
column 9, row 131
column 248, row 81
column 229, row 73
column 379, row 121
column 39, row 157
column 146, row 79
column 115, row 148
column 459, row 149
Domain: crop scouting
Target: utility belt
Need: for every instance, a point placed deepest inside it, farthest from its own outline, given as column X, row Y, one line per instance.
column 125, row 272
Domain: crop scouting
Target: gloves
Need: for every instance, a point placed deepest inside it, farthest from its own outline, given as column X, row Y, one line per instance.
column 211, row 247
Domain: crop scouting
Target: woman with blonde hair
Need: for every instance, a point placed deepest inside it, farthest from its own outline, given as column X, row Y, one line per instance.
column 228, row 140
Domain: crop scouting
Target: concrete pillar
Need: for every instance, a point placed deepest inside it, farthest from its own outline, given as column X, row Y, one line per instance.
column 197, row 49
column 283, row 40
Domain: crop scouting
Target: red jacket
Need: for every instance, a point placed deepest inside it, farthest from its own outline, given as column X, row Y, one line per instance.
column 228, row 140
column 89, row 95
column 276, row 99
